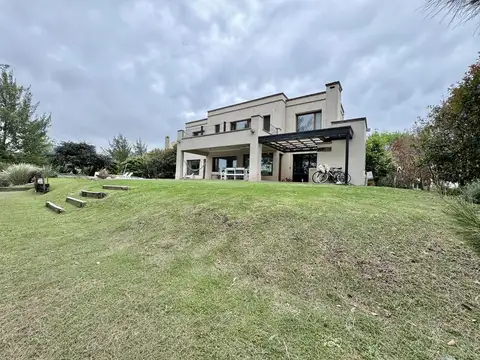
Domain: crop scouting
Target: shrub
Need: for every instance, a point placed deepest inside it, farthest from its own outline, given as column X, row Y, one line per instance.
column 471, row 192
column 467, row 218
column 136, row 165
column 49, row 171
column 19, row 174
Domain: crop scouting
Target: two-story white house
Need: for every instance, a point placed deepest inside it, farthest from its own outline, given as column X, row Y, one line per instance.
column 277, row 138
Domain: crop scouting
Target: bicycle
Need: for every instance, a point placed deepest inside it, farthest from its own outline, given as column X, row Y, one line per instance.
column 336, row 174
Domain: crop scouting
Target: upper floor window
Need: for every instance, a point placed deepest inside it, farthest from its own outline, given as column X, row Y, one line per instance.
column 197, row 133
column 266, row 123
column 312, row 121
column 217, row 128
column 240, row 125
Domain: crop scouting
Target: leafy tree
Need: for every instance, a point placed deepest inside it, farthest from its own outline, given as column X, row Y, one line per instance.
column 23, row 133
column 138, row 165
column 119, row 148
column 75, row 157
column 378, row 156
column 451, row 131
column 161, row 163
column 139, row 148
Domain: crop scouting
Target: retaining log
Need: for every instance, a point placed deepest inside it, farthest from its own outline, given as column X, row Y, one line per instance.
column 93, row 194
column 76, row 202
column 115, row 187
column 54, row 207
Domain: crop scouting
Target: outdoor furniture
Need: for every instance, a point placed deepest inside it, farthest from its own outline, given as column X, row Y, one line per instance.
column 237, row 173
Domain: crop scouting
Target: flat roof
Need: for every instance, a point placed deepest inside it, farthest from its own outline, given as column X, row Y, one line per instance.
column 306, row 140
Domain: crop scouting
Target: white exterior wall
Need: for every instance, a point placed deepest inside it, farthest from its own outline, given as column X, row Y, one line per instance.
column 283, row 114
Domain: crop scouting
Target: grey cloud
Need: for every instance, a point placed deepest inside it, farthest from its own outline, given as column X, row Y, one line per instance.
column 145, row 67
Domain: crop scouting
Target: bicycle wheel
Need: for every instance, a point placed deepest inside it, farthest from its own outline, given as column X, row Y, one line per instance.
column 340, row 177
column 319, row 177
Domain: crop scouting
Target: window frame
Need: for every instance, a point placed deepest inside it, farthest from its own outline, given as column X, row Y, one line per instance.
column 246, row 163
column 314, row 113
column 269, row 117
column 233, row 124
column 217, row 128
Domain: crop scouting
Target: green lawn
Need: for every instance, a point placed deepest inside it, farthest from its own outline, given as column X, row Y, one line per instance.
column 221, row 270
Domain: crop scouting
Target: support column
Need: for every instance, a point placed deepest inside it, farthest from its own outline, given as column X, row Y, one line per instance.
column 276, row 165
column 208, row 167
column 255, row 166
column 179, row 164
column 347, row 157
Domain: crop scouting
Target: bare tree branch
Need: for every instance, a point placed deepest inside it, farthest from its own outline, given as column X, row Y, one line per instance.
column 456, row 10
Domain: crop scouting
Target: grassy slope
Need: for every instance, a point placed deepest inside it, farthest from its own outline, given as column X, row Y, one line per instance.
column 296, row 271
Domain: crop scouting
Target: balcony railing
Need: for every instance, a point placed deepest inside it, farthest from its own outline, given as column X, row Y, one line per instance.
column 273, row 130
column 201, row 130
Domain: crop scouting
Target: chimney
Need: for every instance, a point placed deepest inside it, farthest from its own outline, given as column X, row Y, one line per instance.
column 333, row 111
column 167, row 142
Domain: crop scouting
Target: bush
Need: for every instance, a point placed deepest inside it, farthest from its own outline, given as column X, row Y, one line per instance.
column 471, row 192
column 136, row 165
column 467, row 218
column 49, row 171
column 19, row 174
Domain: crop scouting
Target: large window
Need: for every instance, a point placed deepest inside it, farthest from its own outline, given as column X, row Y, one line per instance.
column 240, row 125
column 193, row 167
column 306, row 122
column 220, row 163
column 267, row 163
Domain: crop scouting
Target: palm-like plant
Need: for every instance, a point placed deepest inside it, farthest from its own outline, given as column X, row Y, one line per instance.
column 461, row 10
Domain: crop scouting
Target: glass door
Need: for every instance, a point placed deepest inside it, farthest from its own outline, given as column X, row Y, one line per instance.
column 301, row 164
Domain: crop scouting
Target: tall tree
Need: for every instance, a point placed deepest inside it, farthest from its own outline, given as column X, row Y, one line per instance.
column 378, row 156
column 119, row 148
column 451, row 138
column 139, row 148
column 23, row 133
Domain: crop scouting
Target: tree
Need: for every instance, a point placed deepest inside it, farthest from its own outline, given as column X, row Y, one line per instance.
column 161, row 163
column 23, row 133
column 451, row 131
column 139, row 148
column 75, row 157
column 378, row 156
column 463, row 10
column 119, row 148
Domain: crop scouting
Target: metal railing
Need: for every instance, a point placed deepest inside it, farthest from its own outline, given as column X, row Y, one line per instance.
column 273, row 130
column 201, row 130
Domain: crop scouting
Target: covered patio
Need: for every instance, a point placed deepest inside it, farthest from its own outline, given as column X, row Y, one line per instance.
column 310, row 141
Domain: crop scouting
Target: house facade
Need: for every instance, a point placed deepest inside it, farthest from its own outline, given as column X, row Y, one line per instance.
column 276, row 138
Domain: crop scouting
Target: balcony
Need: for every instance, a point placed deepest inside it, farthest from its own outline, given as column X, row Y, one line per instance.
column 203, row 130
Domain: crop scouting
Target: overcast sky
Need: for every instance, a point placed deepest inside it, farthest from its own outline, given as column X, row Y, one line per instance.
column 144, row 67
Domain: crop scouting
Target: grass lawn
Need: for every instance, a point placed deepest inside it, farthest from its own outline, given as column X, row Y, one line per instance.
column 218, row 270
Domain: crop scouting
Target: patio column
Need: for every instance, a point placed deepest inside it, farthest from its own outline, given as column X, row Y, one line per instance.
column 208, row 167
column 347, row 157
column 255, row 166
column 179, row 164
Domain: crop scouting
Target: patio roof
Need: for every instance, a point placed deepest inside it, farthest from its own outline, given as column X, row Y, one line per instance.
column 306, row 140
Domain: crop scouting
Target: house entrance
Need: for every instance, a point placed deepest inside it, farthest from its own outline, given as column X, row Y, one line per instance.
column 301, row 164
